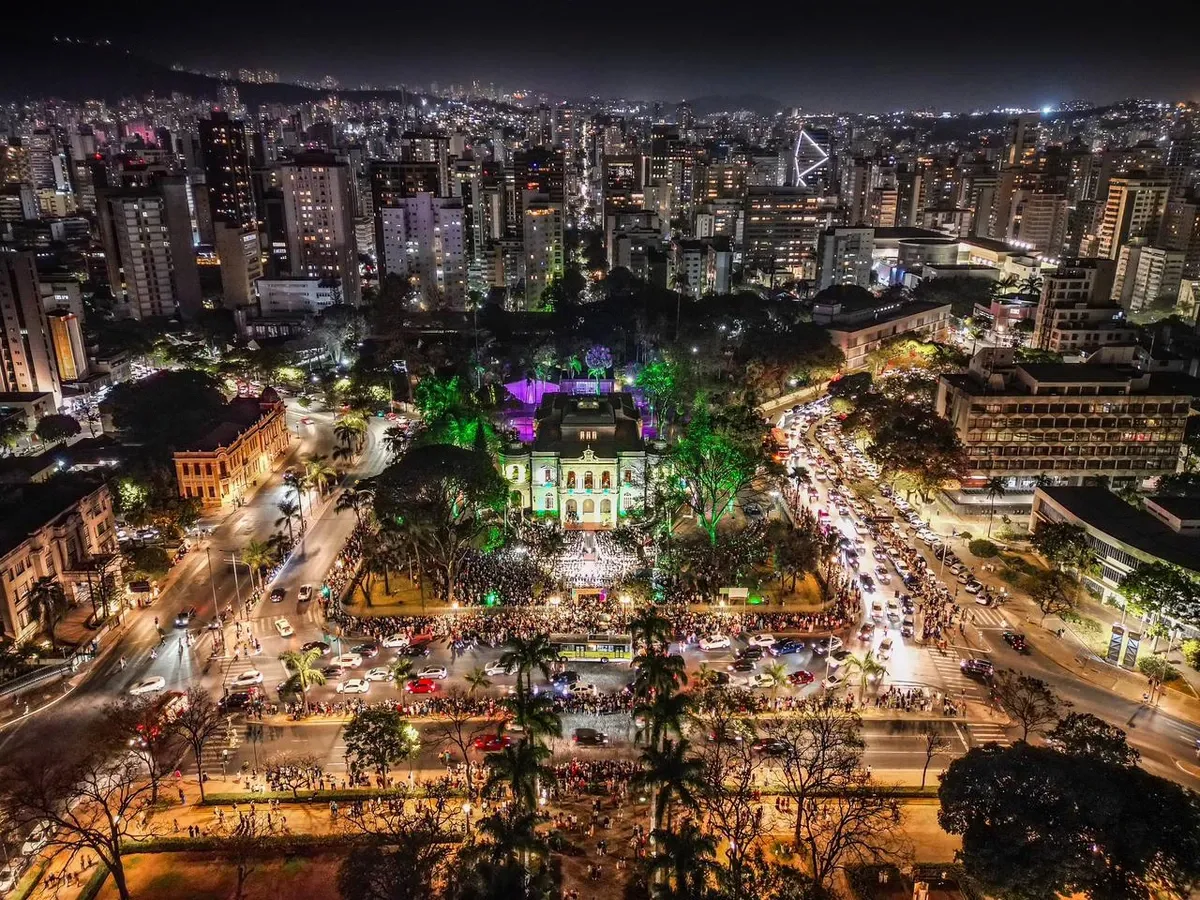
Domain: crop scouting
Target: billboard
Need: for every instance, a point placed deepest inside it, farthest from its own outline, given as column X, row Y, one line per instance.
column 1114, row 643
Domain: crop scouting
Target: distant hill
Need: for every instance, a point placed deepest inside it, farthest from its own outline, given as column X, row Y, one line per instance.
column 718, row 103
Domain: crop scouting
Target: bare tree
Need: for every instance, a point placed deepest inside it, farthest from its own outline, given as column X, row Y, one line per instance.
column 856, row 825
column 933, row 742
column 242, row 843
column 407, row 845
column 727, row 799
column 822, row 756
column 1028, row 700
column 196, row 725
column 459, row 727
column 293, row 771
column 138, row 725
column 97, row 803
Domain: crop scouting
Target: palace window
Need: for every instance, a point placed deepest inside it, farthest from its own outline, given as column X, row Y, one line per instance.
column 589, row 481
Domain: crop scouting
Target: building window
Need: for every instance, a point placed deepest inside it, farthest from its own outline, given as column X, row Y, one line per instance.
column 546, row 476
column 589, row 507
column 605, row 480
column 572, row 511
column 549, row 501
column 589, row 481
column 606, row 507
column 571, row 480
column 629, row 476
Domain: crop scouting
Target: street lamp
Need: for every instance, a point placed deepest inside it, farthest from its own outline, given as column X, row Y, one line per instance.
column 466, row 808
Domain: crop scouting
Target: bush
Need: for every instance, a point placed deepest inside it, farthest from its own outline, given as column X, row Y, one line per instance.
column 1158, row 668
column 1191, row 652
column 983, row 549
column 966, row 535
column 1081, row 623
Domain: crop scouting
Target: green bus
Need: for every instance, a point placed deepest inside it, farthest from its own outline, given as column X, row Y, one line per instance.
column 593, row 647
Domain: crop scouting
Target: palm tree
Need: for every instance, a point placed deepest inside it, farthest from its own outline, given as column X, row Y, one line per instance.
column 289, row 511
column 47, row 603
column 535, row 714
column 258, row 555
column 651, row 629
column 319, row 473
column 400, row 671
column 395, row 440
column 520, row 768
column 357, row 499
column 674, row 775
column 683, row 862
column 305, row 674
column 995, row 488
column 658, row 674
column 778, row 673
column 869, row 668
column 525, row 655
column 478, row 680
column 295, row 481
column 350, row 429
column 662, row 716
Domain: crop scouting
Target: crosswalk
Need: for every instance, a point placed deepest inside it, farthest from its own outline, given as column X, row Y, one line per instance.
column 222, row 746
column 989, row 617
column 987, row 733
column 954, row 682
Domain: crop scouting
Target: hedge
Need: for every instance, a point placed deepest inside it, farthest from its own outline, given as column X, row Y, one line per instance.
column 265, row 845
column 92, row 888
column 32, row 879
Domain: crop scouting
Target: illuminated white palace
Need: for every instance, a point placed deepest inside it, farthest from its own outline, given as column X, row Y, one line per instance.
column 587, row 463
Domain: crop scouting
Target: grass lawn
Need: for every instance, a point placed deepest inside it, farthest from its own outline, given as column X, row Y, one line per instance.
column 206, row 876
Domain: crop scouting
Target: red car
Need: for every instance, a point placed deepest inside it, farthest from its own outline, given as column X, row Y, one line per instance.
column 421, row 686
column 493, row 742
column 802, row 677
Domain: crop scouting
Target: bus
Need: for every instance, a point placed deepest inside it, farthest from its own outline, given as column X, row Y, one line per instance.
column 592, row 647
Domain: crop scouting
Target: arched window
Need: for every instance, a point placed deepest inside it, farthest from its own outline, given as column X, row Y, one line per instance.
column 589, row 481
column 546, row 476
column 589, row 507
column 549, row 501
column 605, row 479
column 572, row 511
column 515, row 498
column 606, row 507
column 571, row 480
column 516, row 474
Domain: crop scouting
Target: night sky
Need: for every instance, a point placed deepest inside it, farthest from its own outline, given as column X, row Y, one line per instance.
column 823, row 55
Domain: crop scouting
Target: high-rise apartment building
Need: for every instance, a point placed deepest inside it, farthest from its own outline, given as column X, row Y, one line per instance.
column 318, row 212
column 226, row 158
column 26, row 358
column 424, row 241
column 781, row 230
column 542, row 250
column 1038, row 221
column 1147, row 276
column 147, row 238
column 1134, row 208
column 70, row 351
column 240, row 254
column 845, row 256
column 1181, row 231
column 1075, row 313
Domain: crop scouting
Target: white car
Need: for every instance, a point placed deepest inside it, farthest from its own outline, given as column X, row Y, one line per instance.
column 493, row 669
column 885, row 648
column 395, row 642
column 762, row 640
column 762, row 680
column 247, row 678
column 432, row 672
column 379, row 673
column 715, row 642
column 36, row 839
column 972, row 587
column 9, row 876
column 354, row 686
column 149, row 685
column 348, row 661
column 305, row 593
column 584, row 689
column 284, row 627
column 833, row 682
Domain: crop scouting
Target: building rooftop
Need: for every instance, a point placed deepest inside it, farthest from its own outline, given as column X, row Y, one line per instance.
column 239, row 416
column 7, row 397
column 1106, row 512
column 27, row 507
column 607, row 423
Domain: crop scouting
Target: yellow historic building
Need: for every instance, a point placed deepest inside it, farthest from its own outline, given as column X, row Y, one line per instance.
column 236, row 453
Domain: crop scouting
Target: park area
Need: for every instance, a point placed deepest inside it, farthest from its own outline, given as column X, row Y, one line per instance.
column 201, row 876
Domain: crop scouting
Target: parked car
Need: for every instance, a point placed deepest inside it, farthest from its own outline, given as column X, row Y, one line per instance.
column 786, row 646
column 834, row 681
column 762, row 680
column 148, row 685
column 494, row 668
column 421, row 686
column 354, row 686
column 800, row 677
column 825, row 647
column 589, row 737
column 395, row 641
column 334, row 671
column 379, row 673
column 715, row 642
column 247, row 678
column 438, row 672
column 762, row 640
column 349, row 661
column 885, row 648
column 490, row 743
column 367, row 649
column 9, row 876
column 37, row 838
column 741, row 665
column 754, row 653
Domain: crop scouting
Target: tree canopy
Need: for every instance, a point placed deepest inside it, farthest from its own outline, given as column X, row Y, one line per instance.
column 168, row 409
